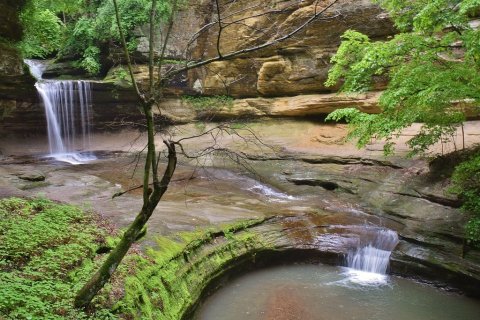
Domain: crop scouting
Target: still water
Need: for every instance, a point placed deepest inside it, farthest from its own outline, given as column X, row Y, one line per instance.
column 320, row 292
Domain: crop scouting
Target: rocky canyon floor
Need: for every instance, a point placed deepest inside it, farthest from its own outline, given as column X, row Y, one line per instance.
column 287, row 168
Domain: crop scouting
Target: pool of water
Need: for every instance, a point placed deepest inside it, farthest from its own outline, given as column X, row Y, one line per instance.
column 321, row 292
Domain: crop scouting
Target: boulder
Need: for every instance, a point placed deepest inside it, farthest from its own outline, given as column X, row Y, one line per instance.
column 33, row 176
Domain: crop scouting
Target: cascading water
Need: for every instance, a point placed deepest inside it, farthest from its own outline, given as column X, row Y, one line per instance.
column 368, row 262
column 68, row 111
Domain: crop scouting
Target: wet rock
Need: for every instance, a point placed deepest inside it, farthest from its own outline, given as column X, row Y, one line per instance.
column 64, row 70
column 16, row 83
column 438, row 265
column 327, row 184
column 33, row 176
column 9, row 191
column 10, row 28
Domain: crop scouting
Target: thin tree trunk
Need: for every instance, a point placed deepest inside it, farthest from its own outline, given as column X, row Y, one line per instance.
column 90, row 289
column 151, row 197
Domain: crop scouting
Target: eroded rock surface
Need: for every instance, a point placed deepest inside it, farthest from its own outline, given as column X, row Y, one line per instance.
column 323, row 191
column 16, row 83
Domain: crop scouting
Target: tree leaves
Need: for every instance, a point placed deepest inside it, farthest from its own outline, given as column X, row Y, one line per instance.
column 431, row 69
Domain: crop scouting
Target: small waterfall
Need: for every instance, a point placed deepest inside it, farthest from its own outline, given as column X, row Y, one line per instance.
column 368, row 262
column 67, row 106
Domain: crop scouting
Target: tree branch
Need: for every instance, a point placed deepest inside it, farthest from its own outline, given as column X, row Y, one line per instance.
column 241, row 52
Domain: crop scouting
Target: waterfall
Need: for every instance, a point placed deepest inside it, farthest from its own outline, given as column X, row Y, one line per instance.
column 67, row 106
column 368, row 262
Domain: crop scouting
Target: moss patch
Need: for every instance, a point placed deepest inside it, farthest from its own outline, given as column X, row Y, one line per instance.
column 213, row 103
column 171, row 280
column 50, row 250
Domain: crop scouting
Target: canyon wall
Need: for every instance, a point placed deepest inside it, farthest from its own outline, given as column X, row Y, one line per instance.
column 283, row 80
column 17, row 91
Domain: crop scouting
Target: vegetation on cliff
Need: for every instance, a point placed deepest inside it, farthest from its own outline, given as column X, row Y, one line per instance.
column 466, row 183
column 80, row 29
column 433, row 68
column 432, row 64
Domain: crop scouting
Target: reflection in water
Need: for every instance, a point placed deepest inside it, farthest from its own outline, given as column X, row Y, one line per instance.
column 318, row 292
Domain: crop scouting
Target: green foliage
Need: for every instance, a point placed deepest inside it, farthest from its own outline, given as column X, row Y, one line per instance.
column 472, row 231
column 90, row 61
column 83, row 29
column 174, row 275
column 119, row 76
column 47, row 250
column 466, row 183
column 431, row 66
column 43, row 32
column 209, row 103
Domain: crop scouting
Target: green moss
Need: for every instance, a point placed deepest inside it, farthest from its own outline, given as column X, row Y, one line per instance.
column 209, row 103
column 49, row 251
column 119, row 76
column 173, row 277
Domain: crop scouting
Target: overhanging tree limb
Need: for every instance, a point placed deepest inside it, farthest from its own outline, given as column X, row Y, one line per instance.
column 267, row 44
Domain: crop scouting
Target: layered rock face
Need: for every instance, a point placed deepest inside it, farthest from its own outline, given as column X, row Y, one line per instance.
column 283, row 80
column 17, row 89
column 297, row 66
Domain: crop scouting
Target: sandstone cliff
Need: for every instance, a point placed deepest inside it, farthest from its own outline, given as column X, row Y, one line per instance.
column 16, row 84
column 285, row 80
column 292, row 72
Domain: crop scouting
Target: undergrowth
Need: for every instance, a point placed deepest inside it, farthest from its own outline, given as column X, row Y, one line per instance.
column 172, row 278
column 209, row 103
column 47, row 252
column 466, row 183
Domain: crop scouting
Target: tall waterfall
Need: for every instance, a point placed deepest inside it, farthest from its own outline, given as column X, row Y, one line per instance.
column 369, row 261
column 67, row 106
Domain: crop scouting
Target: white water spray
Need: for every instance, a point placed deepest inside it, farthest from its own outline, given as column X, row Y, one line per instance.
column 68, row 111
column 368, row 263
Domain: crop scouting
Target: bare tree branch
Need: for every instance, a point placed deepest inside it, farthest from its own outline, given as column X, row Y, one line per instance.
column 264, row 45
